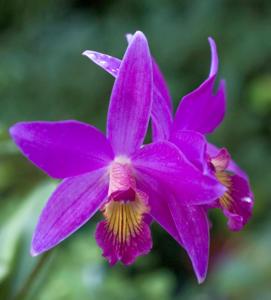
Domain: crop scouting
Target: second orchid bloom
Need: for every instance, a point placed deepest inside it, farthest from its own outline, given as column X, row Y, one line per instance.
column 173, row 180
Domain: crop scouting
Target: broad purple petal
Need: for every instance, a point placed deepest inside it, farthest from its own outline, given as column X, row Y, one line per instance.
column 166, row 163
column 131, row 98
column 62, row 149
column 194, row 146
column 203, row 110
column 72, row 204
column 158, row 202
column 193, row 227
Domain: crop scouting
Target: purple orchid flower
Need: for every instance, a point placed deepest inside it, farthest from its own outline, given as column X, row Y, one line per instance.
column 199, row 113
column 203, row 111
column 113, row 174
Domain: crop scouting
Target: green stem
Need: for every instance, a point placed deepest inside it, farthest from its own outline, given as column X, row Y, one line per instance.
column 23, row 292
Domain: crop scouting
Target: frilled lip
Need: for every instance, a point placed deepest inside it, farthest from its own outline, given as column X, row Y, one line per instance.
column 237, row 202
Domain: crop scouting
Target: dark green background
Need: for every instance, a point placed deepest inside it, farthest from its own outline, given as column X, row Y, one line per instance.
column 44, row 77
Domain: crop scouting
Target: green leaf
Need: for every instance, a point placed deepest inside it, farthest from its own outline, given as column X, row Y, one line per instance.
column 12, row 230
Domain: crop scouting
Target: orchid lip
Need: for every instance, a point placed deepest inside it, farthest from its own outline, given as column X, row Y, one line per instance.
column 124, row 234
column 236, row 202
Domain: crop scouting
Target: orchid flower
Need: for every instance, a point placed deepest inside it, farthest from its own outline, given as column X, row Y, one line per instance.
column 198, row 114
column 203, row 111
column 113, row 174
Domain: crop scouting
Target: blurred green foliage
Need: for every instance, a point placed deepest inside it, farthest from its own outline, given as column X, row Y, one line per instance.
column 43, row 76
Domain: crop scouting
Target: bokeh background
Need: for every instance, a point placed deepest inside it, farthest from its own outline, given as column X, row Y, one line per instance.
column 44, row 77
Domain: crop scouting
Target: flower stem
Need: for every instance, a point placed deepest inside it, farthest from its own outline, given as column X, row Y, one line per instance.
column 23, row 292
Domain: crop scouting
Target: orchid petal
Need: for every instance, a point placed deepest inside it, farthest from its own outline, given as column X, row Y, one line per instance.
column 193, row 227
column 161, row 107
column 202, row 110
column 167, row 164
column 73, row 203
column 158, row 80
column 193, row 144
column 159, row 209
column 108, row 63
column 161, row 85
column 131, row 98
column 161, row 117
column 214, row 58
column 62, row 149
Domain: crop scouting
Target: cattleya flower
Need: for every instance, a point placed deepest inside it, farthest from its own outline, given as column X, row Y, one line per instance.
column 203, row 111
column 115, row 173
column 198, row 114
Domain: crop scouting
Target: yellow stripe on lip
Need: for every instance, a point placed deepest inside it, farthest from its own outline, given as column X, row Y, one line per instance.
column 225, row 178
column 124, row 218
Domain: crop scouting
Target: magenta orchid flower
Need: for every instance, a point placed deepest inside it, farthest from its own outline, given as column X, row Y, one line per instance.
column 115, row 173
column 203, row 111
column 199, row 113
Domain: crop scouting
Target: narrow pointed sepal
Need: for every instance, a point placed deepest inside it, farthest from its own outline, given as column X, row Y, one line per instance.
column 203, row 109
column 193, row 227
column 131, row 98
column 72, row 204
column 62, row 149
